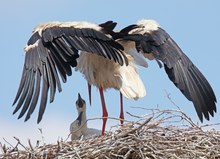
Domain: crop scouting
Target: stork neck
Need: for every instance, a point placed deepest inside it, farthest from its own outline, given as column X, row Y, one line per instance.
column 84, row 118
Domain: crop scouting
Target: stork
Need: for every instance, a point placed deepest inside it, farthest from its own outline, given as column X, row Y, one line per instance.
column 107, row 59
column 79, row 127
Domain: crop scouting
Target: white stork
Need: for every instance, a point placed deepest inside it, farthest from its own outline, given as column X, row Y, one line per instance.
column 107, row 60
column 79, row 127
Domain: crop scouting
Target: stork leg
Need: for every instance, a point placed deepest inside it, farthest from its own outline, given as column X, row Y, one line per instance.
column 90, row 96
column 104, row 110
column 121, row 110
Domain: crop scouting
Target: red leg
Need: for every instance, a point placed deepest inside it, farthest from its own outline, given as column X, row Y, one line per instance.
column 121, row 109
column 90, row 97
column 104, row 110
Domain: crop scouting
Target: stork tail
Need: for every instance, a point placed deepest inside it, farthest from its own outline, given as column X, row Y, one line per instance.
column 132, row 85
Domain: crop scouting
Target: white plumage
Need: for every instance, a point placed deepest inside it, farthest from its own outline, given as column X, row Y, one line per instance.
column 75, row 130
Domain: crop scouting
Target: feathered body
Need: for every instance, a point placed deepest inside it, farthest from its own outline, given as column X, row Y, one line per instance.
column 75, row 130
column 104, row 73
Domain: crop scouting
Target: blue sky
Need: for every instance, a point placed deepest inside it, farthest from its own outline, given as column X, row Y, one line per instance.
column 194, row 25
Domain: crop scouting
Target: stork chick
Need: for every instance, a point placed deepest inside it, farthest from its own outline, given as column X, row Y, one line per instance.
column 79, row 126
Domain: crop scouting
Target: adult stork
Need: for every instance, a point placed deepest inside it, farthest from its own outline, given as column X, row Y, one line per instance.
column 107, row 60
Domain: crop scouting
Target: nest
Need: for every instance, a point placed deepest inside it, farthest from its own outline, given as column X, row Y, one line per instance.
column 158, row 134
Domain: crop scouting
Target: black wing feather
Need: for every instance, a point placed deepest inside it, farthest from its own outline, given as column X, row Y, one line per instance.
column 35, row 97
column 29, row 95
column 43, row 95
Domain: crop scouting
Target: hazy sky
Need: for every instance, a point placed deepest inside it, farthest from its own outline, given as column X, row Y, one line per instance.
column 194, row 25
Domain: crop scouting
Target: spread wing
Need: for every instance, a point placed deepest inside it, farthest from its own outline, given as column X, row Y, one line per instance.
column 49, row 55
column 156, row 42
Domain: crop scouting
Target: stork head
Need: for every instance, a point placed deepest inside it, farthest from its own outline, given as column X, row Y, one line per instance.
column 80, row 104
